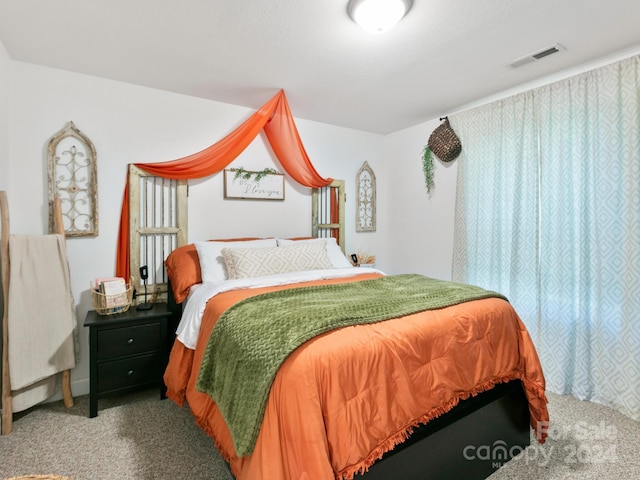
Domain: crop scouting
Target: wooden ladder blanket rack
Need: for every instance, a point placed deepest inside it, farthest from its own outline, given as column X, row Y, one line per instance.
column 7, row 394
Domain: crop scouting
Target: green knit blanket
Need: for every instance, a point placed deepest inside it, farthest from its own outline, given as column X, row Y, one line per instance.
column 252, row 338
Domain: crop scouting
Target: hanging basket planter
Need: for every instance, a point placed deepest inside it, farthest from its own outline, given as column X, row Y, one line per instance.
column 445, row 144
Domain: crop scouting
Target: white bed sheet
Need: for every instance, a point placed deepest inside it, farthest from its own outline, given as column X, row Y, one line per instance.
column 199, row 295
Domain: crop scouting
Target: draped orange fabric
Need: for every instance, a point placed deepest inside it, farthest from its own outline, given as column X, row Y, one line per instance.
column 276, row 120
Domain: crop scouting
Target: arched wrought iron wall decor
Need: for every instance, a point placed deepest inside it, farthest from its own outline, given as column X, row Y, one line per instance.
column 366, row 199
column 72, row 177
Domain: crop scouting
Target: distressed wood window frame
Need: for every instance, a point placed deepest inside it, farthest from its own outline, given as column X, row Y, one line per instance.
column 326, row 221
column 157, row 226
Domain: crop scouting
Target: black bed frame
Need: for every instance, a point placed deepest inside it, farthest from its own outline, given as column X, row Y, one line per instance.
column 469, row 442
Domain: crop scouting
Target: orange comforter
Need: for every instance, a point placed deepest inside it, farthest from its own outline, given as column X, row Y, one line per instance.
column 344, row 398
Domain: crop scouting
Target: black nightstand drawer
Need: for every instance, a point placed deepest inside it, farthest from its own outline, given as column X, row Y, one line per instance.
column 117, row 342
column 129, row 372
column 127, row 350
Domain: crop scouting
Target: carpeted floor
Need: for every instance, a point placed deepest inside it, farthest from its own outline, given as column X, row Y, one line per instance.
column 139, row 437
column 586, row 441
column 134, row 436
column 39, row 477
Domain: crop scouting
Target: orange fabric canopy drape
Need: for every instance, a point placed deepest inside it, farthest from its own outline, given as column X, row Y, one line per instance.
column 276, row 120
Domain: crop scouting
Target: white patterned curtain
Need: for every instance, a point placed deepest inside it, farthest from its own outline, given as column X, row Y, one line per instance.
column 548, row 212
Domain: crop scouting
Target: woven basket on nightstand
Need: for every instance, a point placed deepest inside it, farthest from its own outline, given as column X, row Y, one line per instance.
column 111, row 304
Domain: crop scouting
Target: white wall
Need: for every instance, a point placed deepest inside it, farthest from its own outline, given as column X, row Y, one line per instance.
column 335, row 152
column 5, row 65
column 422, row 225
column 131, row 124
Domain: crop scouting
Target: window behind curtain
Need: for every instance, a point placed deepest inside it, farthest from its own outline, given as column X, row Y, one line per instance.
column 548, row 213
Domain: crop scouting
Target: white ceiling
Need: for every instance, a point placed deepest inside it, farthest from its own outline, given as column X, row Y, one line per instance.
column 444, row 54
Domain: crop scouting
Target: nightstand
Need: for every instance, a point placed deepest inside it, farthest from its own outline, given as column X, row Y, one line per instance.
column 127, row 351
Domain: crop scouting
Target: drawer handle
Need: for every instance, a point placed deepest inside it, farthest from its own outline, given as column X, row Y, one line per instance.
column 130, row 341
column 130, row 372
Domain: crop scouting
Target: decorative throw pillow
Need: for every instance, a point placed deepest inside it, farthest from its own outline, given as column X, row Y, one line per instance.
column 336, row 257
column 212, row 265
column 259, row 262
column 183, row 270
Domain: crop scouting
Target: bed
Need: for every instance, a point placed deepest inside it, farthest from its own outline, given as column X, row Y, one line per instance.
column 452, row 391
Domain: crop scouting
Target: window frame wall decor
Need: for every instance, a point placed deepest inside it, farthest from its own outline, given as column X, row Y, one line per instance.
column 327, row 212
column 72, row 171
column 157, row 226
column 366, row 199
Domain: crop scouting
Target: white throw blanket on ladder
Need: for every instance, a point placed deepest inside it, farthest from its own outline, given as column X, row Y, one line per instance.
column 41, row 317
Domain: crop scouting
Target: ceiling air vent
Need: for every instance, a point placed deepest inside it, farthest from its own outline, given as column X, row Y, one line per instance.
column 532, row 57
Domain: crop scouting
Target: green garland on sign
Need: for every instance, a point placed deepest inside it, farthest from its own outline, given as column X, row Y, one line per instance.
column 242, row 173
column 428, row 169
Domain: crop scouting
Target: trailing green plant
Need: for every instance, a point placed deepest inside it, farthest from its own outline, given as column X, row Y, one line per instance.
column 428, row 169
column 246, row 175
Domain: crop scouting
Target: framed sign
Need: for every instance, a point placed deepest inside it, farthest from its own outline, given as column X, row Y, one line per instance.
column 264, row 185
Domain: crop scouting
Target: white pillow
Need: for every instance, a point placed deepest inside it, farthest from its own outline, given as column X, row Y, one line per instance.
column 260, row 262
column 337, row 258
column 212, row 264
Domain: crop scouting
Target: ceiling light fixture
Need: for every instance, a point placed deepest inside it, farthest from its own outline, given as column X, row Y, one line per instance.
column 378, row 16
